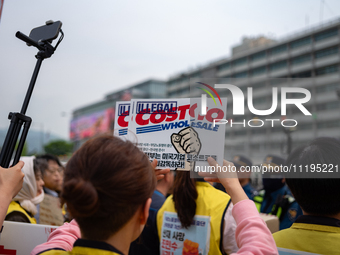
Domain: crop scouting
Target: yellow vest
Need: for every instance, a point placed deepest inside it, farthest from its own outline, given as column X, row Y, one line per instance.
column 210, row 203
column 313, row 238
column 85, row 247
column 15, row 207
column 79, row 250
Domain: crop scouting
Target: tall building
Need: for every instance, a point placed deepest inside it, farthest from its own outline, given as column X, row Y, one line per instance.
column 308, row 59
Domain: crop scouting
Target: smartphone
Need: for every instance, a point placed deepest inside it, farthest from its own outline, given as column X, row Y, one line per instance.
column 48, row 32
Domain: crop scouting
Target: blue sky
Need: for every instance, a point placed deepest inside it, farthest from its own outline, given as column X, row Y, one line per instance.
column 111, row 44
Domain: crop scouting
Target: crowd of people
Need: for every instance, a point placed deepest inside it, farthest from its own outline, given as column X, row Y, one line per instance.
column 119, row 203
column 43, row 174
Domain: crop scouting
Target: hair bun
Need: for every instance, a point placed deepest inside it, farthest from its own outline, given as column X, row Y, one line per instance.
column 81, row 197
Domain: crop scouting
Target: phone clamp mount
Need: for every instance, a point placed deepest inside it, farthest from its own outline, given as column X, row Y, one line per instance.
column 41, row 38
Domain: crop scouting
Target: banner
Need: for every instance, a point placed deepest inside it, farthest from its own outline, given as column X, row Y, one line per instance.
column 172, row 131
column 89, row 125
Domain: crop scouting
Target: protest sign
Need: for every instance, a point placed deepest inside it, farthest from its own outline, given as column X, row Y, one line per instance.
column 178, row 241
column 153, row 122
column 122, row 118
column 19, row 238
column 172, row 130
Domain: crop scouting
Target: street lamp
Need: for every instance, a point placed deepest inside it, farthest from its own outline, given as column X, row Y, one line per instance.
column 288, row 131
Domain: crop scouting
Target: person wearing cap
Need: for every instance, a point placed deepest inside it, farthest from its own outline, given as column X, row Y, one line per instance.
column 244, row 177
column 275, row 198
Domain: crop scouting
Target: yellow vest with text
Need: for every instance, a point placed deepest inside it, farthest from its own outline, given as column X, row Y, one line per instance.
column 15, row 207
column 78, row 251
column 313, row 238
column 210, row 202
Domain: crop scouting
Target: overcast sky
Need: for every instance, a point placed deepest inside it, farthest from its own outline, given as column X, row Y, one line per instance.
column 111, row 44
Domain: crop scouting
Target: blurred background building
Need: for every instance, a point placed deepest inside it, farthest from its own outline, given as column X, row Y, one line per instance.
column 311, row 55
column 97, row 118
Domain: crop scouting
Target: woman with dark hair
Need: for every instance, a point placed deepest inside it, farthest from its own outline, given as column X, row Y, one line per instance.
column 108, row 184
column 195, row 200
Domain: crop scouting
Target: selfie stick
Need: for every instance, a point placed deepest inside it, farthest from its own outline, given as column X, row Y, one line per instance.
column 18, row 119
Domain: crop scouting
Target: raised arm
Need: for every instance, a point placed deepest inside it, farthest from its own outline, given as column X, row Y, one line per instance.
column 11, row 180
column 62, row 238
column 252, row 234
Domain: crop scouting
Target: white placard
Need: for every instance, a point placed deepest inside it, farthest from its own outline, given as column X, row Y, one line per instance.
column 122, row 118
column 154, row 121
column 173, row 131
column 21, row 238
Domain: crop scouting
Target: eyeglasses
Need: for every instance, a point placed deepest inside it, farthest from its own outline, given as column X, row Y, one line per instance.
column 59, row 170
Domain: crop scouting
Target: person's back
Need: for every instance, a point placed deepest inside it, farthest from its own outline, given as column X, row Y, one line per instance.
column 318, row 229
column 196, row 218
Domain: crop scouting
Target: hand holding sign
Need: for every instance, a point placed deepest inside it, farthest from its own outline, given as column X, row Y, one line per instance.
column 228, row 177
column 159, row 172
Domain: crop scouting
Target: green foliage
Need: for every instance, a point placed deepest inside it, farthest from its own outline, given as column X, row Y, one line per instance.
column 24, row 149
column 58, row 147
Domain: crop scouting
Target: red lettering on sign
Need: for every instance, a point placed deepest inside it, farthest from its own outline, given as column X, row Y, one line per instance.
column 166, row 244
column 212, row 111
column 4, row 251
column 157, row 117
column 121, row 120
column 183, row 110
column 140, row 121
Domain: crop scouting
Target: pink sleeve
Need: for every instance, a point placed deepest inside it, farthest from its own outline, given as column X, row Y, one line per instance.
column 252, row 234
column 61, row 238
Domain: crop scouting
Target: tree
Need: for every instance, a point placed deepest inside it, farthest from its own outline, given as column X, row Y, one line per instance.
column 58, row 147
column 24, row 149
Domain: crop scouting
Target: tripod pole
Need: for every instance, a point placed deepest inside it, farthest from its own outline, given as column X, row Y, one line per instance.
column 20, row 119
column 10, row 140
column 32, row 83
column 17, row 120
